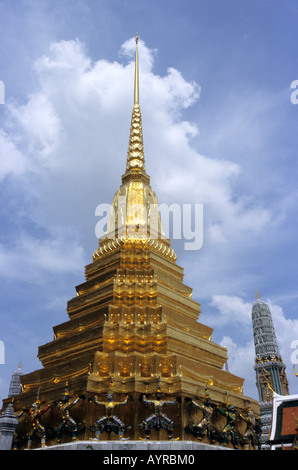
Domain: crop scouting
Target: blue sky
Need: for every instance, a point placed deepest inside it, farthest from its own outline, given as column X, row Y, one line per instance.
column 219, row 129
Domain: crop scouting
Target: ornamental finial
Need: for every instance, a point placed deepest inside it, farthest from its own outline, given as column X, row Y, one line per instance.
column 136, row 94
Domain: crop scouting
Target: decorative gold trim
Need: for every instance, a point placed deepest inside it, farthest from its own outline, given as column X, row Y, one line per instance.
column 55, row 379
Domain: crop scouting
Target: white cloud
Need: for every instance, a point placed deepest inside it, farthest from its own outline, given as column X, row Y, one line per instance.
column 39, row 128
column 30, row 259
column 64, row 55
column 13, row 162
column 232, row 309
column 128, row 49
column 241, row 362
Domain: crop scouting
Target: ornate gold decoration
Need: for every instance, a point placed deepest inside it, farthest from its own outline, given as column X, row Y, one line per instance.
column 55, row 379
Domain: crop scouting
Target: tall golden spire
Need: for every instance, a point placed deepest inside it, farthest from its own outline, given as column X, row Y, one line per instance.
column 135, row 155
column 136, row 90
column 134, row 214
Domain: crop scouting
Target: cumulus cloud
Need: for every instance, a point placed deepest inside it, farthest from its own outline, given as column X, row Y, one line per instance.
column 38, row 128
column 13, row 162
column 232, row 309
column 240, row 362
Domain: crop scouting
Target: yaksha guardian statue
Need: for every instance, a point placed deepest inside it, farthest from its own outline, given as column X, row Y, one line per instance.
column 158, row 419
column 109, row 422
column 229, row 432
column 253, row 430
column 67, row 423
column 35, row 414
column 205, row 426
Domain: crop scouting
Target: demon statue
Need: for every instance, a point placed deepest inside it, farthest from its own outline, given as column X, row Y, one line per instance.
column 158, row 419
column 109, row 422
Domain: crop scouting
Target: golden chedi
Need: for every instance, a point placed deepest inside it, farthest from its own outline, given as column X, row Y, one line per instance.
column 133, row 347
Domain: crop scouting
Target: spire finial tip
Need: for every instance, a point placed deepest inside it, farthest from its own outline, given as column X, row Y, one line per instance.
column 136, row 93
